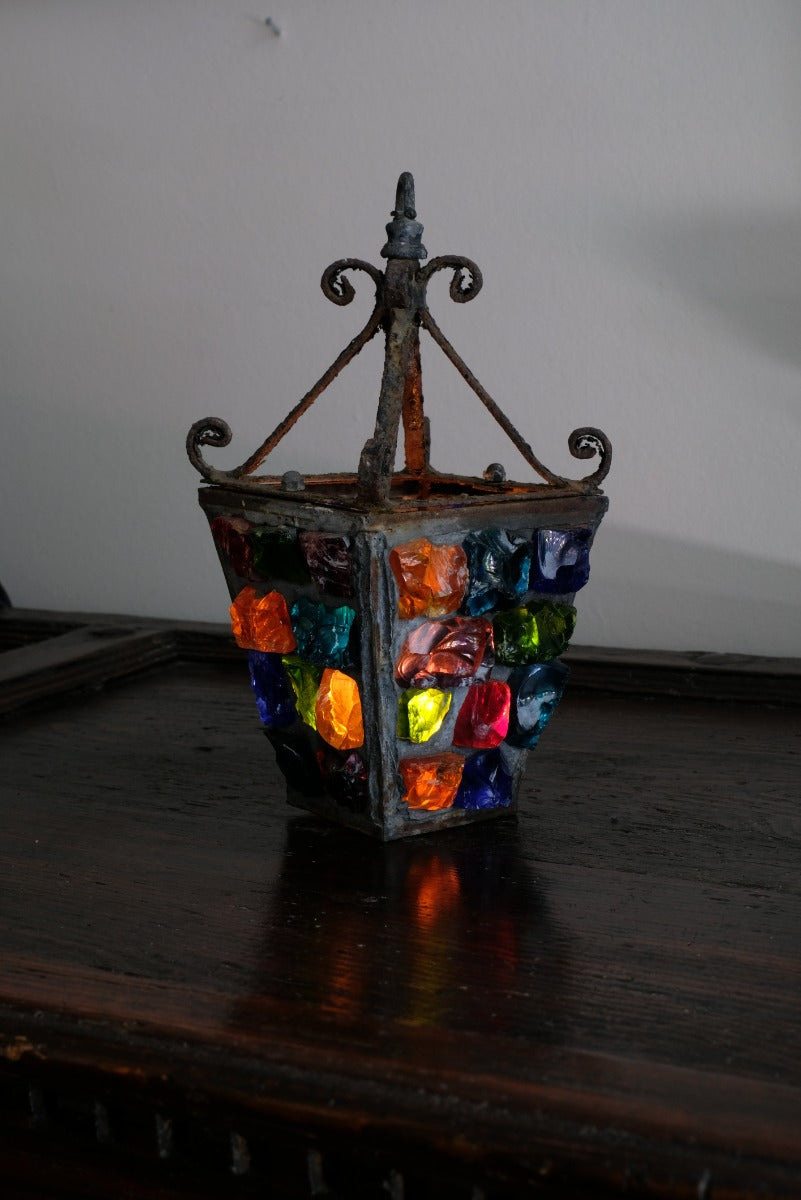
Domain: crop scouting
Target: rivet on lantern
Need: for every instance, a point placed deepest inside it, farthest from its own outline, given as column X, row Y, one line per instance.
column 404, row 632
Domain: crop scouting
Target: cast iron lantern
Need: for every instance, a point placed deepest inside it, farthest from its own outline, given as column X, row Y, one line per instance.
column 403, row 629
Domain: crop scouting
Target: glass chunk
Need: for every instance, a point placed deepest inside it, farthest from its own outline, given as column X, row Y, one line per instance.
column 346, row 779
column 500, row 563
column 297, row 762
column 323, row 633
column 562, row 562
column 276, row 555
column 485, row 782
column 533, row 634
column 448, row 653
column 305, row 680
column 536, row 691
column 231, row 535
column 275, row 698
column 421, row 713
column 431, row 579
column 431, row 783
column 329, row 562
column 339, row 711
column 262, row 622
column 483, row 719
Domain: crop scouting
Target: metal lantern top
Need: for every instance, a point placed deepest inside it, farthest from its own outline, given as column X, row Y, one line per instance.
column 401, row 310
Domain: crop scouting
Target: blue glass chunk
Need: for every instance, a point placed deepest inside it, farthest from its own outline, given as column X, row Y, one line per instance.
column 323, row 634
column 485, row 782
column 536, row 691
column 562, row 561
column 499, row 563
column 275, row 698
column 297, row 762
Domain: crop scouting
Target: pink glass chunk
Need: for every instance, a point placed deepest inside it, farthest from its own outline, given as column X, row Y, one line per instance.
column 450, row 653
column 329, row 563
column 431, row 579
column 483, row 719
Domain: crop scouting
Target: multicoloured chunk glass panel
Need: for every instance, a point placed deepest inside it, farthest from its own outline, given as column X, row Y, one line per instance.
column 431, row 579
column 483, row 719
column 339, row 711
column 421, row 712
column 536, row 691
column 323, row 633
column 485, row 782
column 275, row 698
column 452, row 653
column 561, row 564
column 535, row 633
column 499, row 563
column 431, row 783
column 262, row 622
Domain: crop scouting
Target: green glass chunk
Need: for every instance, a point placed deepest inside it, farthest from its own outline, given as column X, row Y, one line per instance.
column 305, row 679
column 421, row 712
column 533, row 634
column 277, row 555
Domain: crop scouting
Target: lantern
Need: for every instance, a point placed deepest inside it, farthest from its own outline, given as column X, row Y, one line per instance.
column 403, row 629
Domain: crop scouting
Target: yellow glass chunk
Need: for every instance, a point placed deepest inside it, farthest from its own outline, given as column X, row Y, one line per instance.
column 262, row 622
column 433, row 782
column 339, row 711
column 305, row 680
column 431, row 579
column 421, row 712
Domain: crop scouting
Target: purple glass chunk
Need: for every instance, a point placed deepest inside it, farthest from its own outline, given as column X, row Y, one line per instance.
column 345, row 777
column 499, row 564
column 329, row 562
column 536, row 691
column 562, row 560
column 452, row 653
column 485, row 782
column 275, row 698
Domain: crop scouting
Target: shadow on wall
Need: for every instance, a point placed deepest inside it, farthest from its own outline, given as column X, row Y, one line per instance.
column 743, row 266
column 649, row 591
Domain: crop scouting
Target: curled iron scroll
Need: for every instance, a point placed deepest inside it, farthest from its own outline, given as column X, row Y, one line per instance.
column 461, row 290
column 586, row 443
column 210, row 431
column 338, row 288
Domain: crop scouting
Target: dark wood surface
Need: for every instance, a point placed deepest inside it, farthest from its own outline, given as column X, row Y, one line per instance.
column 203, row 991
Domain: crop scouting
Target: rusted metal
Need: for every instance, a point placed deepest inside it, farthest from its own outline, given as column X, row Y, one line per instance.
column 401, row 310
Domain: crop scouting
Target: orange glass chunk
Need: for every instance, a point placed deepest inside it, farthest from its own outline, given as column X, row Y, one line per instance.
column 339, row 711
column 262, row 622
column 431, row 782
column 432, row 580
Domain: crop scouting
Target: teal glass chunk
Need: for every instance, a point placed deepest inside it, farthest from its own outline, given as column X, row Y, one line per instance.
column 499, row 563
column 277, row 555
column 536, row 691
column 323, row 633
column 535, row 633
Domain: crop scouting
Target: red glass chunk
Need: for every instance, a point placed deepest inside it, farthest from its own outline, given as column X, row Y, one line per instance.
column 431, row 783
column 262, row 622
column 483, row 719
column 431, row 579
column 231, row 535
column 448, row 653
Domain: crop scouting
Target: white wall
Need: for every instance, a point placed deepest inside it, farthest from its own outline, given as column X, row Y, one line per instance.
column 174, row 178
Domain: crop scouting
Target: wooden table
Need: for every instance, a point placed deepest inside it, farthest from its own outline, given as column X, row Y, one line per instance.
column 205, row 992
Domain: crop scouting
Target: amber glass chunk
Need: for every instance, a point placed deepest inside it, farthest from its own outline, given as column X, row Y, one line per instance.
column 448, row 653
column 431, row 579
column 433, row 782
column 339, row 711
column 262, row 622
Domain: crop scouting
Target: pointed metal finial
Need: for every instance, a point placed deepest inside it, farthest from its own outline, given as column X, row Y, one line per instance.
column 404, row 231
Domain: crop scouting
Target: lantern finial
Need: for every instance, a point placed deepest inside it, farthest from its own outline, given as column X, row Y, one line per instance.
column 404, row 231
